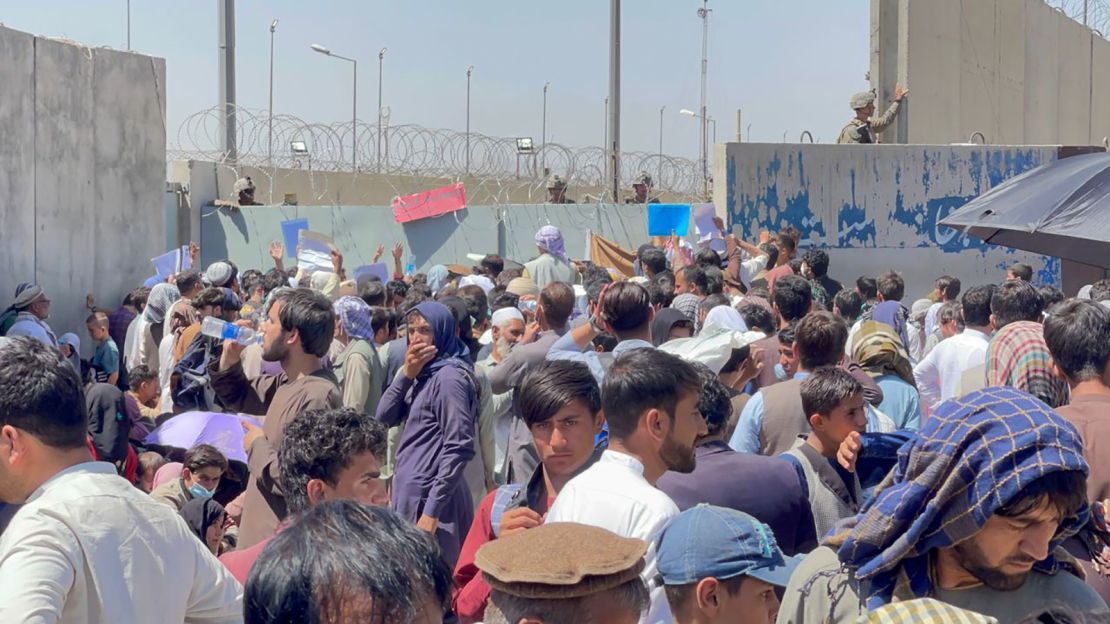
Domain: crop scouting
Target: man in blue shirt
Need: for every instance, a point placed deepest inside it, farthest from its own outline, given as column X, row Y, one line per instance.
column 624, row 310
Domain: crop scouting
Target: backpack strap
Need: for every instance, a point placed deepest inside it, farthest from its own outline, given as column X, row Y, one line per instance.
column 501, row 501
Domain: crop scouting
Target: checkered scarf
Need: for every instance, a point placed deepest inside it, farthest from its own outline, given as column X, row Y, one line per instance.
column 354, row 315
column 687, row 304
column 971, row 458
column 879, row 351
column 1019, row 357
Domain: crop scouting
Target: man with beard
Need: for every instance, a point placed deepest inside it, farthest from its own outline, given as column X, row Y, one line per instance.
column 497, row 412
column 650, row 401
column 296, row 332
column 972, row 515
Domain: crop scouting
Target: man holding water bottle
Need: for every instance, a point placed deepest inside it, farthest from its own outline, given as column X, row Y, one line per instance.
column 296, row 332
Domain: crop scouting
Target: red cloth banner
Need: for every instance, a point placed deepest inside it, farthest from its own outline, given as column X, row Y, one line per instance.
column 431, row 203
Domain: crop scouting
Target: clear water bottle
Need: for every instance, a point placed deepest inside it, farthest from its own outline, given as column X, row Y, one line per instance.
column 218, row 328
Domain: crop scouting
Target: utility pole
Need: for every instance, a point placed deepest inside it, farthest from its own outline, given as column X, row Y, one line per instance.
column 614, row 146
column 226, row 30
column 469, row 70
column 703, row 13
column 659, row 174
column 270, row 140
column 381, row 61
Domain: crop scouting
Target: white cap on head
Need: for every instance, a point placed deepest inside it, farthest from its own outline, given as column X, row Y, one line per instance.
column 504, row 315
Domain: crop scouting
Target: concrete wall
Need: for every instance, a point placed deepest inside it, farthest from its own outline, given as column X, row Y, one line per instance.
column 83, row 164
column 1019, row 71
column 205, row 181
column 876, row 207
column 244, row 235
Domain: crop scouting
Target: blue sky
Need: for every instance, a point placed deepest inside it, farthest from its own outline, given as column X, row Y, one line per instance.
column 789, row 64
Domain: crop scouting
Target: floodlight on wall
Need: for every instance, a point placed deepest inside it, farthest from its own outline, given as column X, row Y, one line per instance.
column 524, row 145
column 298, row 148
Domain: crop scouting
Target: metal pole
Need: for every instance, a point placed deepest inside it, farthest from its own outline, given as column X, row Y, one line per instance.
column 128, row 25
column 468, row 71
column 543, row 132
column 354, row 118
column 270, row 140
column 738, row 120
column 381, row 57
column 605, row 160
column 659, row 174
column 226, row 33
column 615, row 93
column 703, row 13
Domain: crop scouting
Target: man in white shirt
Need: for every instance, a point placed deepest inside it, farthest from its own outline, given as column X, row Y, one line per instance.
column 938, row 374
column 650, row 400
column 86, row 545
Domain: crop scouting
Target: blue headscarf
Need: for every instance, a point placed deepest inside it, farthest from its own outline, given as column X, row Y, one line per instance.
column 970, row 459
column 437, row 277
column 445, row 336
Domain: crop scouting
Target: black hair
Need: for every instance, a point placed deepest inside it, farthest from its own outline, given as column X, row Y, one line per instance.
column 849, row 303
column 785, row 241
column 1078, row 336
column 793, row 297
column 492, row 265
column 786, row 335
column 976, row 305
column 868, row 287
column 758, row 318
column 188, row 280
column 204, row 456
column 714, row 280
column 678, row 595
column 951, row 311
column 714, row 402
column 596, row 273
column 665, row 282
column 1021, row 271
column 818, row 261
column 759, row 289
column 249, row 281
column 504, row 299
column 891, row 286
column 695, row 276
column 372, row 292
column 139, row 375
column 1066, row 490
column 557, row 301
column 552, row 386
column 707, row 257
column 948, row 287
column 827, row 387
column 772, row 252
column 382, row 318
column 310, row 313
column 273, row 280
column 477, row 305
column 508, row 275
column 415, row 297
column 41, row 393
column 320, row 444
column 138, row 297
column 340, row 557
column 1050, row 296
column 643, row 379
column 626, row 307
column 396, row 288
column 606, row 341
column 1015, row 300
column 654, row 260
column 212, row 296
column 796, row 266
column 820, row 340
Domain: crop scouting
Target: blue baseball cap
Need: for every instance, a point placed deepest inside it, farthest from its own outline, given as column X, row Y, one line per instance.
column 707, row 541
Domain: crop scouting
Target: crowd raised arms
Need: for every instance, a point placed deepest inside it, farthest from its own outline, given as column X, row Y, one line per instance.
column 729, row 432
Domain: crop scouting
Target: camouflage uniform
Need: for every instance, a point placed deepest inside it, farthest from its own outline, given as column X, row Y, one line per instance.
column 558, row 183
column 871, row 128
column 642, row 178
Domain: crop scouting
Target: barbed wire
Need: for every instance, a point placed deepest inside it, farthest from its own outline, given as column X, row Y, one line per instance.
column 1098, row 13
column 414, row 150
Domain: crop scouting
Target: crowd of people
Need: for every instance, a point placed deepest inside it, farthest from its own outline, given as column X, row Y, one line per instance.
column 728, row 434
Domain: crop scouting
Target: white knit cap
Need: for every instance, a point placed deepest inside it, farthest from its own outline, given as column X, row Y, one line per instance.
column 504, row 315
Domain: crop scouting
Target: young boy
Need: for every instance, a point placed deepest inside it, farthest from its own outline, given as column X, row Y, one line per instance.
column 105, row 362
column 833, row 402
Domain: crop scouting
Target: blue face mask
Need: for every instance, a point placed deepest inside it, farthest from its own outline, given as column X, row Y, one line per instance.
column 198, row 491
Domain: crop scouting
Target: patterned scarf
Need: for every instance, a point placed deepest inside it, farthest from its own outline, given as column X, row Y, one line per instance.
column 972, row 457
column 1019, row 357
column 880, row 351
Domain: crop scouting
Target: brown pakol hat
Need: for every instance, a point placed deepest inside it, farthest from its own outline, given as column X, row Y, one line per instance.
column 560, row 560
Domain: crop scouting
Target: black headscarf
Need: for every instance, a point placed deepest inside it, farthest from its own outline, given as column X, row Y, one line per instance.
column 201, row 513
column 664, row 320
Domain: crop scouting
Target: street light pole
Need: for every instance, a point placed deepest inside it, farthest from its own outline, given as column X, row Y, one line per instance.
column 659, row 179
column 614, row 145
column 381, row 58
column 128, row 25
column 543, row 132
column 469, row 70
column 703, row 13
column 270, row 141
column 354, row 102
column 605, row 146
